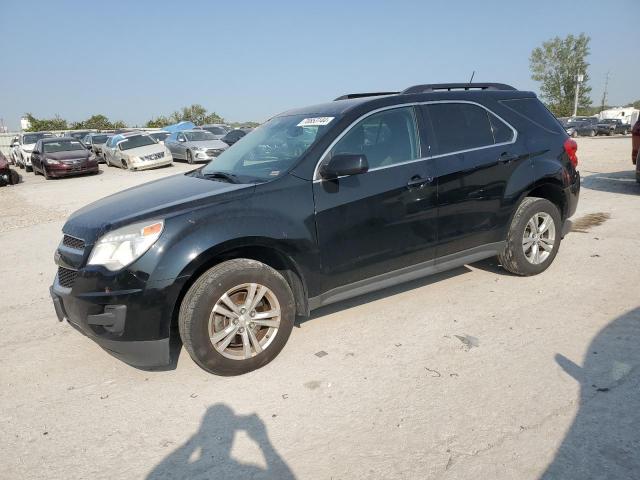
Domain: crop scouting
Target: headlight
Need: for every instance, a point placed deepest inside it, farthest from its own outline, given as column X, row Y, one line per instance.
column 123, row 246
column 199, row 149
column 51, row 161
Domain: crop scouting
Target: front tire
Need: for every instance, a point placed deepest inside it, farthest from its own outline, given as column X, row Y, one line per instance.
column 236, row 317
column 533, row 239
column 189, row 157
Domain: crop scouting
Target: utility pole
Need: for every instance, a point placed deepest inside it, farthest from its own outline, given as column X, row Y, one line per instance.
column 579, row 79
column 604, row 94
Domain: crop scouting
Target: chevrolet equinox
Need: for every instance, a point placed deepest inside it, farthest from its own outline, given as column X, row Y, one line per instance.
column 317, row 205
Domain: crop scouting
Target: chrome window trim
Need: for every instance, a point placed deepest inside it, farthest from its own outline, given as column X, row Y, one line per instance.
column 316, row 172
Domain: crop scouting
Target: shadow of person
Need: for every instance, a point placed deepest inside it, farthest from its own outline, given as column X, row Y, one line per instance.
column 207, row 454
column 613, row 182
column 604, row 440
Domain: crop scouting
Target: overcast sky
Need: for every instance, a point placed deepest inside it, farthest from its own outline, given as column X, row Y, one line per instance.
column 249, row 60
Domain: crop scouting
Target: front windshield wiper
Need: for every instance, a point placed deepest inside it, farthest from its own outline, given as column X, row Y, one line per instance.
column 229, row 177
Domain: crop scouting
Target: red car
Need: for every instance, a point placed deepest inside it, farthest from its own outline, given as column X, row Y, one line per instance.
column 62, row 157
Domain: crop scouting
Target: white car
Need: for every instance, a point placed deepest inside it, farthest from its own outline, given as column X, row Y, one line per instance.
column 13, row 150
column 26, row 142
column 135, row 151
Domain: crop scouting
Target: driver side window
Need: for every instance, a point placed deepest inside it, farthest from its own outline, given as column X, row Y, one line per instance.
column 386, row 138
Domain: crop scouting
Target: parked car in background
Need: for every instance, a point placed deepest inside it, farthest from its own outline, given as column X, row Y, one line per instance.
column 233, row 136
column 7, row 175
column 611, row 126
column 14, row 147
column 95, row 142
column 217, row 129
column 159, row 137
column 136, row 151
column 318, row 205
column 26, row 143
column 575, row 128
column 62, row 157
column 79, row 135
column 635, row 142
column 195, row 145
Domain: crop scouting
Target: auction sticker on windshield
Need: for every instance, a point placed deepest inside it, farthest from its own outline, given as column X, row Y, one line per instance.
column 316, row 121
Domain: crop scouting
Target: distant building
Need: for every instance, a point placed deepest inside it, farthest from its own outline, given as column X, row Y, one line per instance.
column 24, row 123
column 626, row 114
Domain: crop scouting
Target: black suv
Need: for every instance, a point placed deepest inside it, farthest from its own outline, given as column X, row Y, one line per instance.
column 317, row 205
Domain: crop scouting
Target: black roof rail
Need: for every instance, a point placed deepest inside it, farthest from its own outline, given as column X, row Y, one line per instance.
column 361, row 95
column 432, row 87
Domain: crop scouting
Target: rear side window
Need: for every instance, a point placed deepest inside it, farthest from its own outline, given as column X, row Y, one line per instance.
column 459, row 126
column 534, row 111
column 502, row 133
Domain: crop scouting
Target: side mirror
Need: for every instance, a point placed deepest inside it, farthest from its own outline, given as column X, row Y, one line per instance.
column 344, row 164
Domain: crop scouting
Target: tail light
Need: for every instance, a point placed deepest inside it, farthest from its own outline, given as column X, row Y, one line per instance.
column 571, row 147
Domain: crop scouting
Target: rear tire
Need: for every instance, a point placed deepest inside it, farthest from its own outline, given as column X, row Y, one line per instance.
column 205, row 312
column 534, row 237
column 592, row 133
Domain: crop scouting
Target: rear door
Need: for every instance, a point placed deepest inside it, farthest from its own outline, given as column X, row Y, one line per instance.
column 474, row 156
column 382, row 220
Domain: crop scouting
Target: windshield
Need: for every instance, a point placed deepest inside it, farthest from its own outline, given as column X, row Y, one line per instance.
column 160, row 136
column 216, row 130
column 99, row 138
column 270, row 150
column 34, row 137
column 62, row 146
column 136, row 141
column 199, row 136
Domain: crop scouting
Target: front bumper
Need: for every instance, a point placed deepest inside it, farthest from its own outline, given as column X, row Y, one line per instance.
column 69, row 170
column 130, row 320
column 149, row 164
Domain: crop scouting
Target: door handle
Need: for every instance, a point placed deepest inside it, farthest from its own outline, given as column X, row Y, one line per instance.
column 418, row 182
column 506, row 158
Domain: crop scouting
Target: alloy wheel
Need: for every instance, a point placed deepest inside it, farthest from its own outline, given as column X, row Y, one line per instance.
column 244, row 321
column 539, row 238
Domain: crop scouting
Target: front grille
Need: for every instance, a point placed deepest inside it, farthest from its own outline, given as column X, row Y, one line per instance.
column 73, row 242
column 66, row 277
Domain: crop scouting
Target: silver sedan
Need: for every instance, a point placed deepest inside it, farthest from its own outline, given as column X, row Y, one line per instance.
column 194, row 146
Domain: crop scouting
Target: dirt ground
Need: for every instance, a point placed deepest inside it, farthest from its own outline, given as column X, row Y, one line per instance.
column 469, row 374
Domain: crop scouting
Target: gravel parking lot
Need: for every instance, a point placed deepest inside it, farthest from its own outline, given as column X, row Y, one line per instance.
column 469, row 374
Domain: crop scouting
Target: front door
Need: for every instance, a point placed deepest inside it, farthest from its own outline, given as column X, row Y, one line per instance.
column 382, row 220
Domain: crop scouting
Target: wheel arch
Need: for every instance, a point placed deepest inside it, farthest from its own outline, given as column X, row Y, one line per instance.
column 263, row 252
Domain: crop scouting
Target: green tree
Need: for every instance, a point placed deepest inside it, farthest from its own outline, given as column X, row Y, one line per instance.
column 97, row 122
column 38, row 124
column 195, row 113
column 555, row 65
column 635, row 104
column 158, row 122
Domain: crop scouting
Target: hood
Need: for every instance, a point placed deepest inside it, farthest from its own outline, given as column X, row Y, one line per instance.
column 154, row 200
column 217, row 144
column 146, row 150
column 72, row 155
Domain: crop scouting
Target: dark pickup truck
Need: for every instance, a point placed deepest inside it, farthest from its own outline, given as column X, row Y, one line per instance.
column 611, row 126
